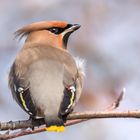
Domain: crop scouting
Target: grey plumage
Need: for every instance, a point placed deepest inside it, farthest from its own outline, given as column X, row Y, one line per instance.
column 45, row 71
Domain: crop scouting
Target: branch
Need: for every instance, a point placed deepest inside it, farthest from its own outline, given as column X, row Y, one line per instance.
column 7, row 135
column 79, row 116
column 31, row 123
column 73, row 118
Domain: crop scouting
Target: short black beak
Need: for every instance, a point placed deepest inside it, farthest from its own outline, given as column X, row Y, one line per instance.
column 71, row 28
column 75, row 27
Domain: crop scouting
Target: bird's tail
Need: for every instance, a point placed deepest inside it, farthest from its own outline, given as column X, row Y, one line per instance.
column 54, row 125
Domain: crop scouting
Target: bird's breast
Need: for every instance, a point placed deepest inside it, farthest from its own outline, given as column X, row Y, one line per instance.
column 46, row 85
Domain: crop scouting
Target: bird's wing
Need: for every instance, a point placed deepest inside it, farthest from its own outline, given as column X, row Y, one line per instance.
column 20, row 91
column 73, row 83
column 68, row 99
column 20, row 86
column 70, row 89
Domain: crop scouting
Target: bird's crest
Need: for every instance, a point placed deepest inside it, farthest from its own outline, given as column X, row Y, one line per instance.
column 38, row 26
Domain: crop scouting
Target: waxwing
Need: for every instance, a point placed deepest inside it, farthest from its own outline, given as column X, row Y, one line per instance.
column 45, row 79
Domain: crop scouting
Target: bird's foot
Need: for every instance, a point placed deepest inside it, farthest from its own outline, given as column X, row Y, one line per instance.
column 36, row 122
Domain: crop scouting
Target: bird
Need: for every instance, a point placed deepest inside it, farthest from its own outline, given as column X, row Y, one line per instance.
column 45, row 79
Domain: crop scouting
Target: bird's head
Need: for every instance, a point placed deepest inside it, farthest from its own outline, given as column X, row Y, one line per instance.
column 52, row 33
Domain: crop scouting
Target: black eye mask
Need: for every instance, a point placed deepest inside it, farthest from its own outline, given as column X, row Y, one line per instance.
column 58, row 30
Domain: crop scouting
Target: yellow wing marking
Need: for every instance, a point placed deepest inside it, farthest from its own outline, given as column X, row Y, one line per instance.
column 23, row 101
column 72, row 98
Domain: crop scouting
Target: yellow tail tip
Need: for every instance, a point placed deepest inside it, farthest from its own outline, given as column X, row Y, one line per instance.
column 55, row 128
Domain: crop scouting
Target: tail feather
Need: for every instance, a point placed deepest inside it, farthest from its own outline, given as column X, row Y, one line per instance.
column 54, row 124
column 55, row 128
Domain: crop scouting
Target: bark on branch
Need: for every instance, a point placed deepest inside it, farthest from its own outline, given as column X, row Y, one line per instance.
column 76, row 117
column 73, row 118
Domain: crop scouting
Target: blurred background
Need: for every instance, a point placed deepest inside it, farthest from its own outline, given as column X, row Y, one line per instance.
column 108, row 40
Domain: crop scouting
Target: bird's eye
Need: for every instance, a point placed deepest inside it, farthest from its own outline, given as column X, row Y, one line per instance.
column 54, row 30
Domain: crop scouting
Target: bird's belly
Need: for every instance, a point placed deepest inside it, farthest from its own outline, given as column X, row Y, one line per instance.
column 46, row 86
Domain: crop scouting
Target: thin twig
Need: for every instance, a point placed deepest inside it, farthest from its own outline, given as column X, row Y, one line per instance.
column 27, row 132
column 30, row 124
column 116, row 103
column 86, row 115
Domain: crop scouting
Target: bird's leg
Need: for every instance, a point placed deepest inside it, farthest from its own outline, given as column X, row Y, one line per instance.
column 36, row 122
column 32, row 119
